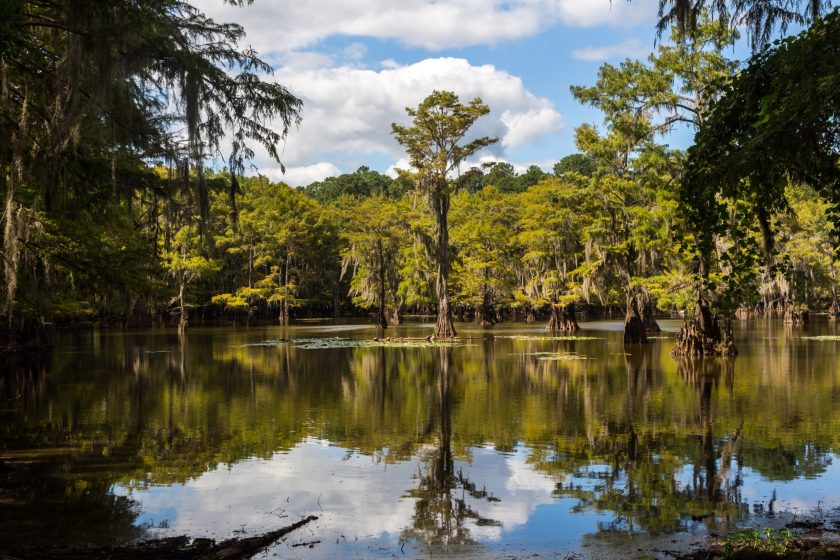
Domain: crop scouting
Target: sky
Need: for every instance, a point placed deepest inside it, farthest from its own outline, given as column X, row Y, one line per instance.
column 357, row 64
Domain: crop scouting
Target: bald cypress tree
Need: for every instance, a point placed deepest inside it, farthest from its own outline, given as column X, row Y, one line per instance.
column 91, row 93
column 439, row 124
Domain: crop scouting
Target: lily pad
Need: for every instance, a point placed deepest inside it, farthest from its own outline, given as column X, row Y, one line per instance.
column 525, row 337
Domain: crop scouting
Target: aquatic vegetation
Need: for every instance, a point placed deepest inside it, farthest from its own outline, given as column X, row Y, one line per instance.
column 327, row 343
column 823, row 338
column 545, row 337
column 554, row 356
column 771, row 542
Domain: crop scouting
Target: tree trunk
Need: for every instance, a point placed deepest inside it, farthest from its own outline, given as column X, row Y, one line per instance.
column 396, row 315
column 834, row 311
column 562, row 318
column 337, row 297
column 796, row 316
column 702, row 335
column 634, row 327
column 485, row 315
column 648, row 320
column 182, row 323
column 284, row 303
column 443, row 327
column 381, row 321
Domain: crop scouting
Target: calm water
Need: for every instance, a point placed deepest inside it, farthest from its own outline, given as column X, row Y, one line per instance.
column 504, row 445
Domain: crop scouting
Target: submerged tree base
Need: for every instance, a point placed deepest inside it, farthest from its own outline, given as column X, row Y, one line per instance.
column 796, row 317
column 703, row 336
column 562, row 319
column 634, row 326
column 176, row 548
column 444, row 327
column 648, row 319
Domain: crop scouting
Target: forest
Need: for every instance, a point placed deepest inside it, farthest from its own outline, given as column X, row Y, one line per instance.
column 111, row 216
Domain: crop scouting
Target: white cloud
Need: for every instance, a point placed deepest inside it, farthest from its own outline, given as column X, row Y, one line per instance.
column 630, row 48
column 355, row 51
column 349, row 109
column 528, row 126
column 305, row 60
column 430, row 24
column 303, row 175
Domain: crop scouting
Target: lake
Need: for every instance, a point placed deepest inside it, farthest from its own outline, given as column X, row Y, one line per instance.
column 508, row 443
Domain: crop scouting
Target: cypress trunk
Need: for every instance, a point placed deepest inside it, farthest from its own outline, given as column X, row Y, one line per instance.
column 702, row 335
column 634, row 327
column 834, row 311
column 648, row 320
column 444, row 327
column 562, row 318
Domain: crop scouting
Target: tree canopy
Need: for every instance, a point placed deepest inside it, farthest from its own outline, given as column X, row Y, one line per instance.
column 777, row 122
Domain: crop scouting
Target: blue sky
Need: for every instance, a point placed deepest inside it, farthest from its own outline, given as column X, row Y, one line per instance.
column 358, row 63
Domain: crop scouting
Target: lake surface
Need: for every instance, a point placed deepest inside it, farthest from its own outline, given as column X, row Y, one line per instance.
column 507, row 444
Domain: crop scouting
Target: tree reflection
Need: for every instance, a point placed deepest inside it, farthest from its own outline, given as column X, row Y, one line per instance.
column 661, row 481
column 658, row 442
column 444, row 498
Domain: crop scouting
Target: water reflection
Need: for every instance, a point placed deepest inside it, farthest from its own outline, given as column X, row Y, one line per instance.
column 499, row 444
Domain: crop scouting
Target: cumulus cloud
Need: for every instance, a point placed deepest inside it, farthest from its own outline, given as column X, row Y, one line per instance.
column 302, row 175
column 355, row 51
column 349, row 109
column 525, row 127
column 430, row 24
column 631, row 48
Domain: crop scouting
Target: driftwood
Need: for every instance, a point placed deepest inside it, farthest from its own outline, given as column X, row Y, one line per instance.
column 175, row 548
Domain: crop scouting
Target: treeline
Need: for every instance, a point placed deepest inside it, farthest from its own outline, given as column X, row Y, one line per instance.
column 110, row 215
column 346, row 244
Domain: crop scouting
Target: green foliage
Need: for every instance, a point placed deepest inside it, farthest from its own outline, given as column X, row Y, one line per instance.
column 776, row 124
column 361, row 183
column 439, row 124
column 373, row 233
column 580, row 164
column 486, row 252
column 286, row 243
column 92, row 97
column 551, row 229
column 773, row 542
column 760, row 18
